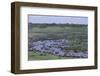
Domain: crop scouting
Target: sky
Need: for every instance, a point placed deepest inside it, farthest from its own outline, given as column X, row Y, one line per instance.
column 57, row 19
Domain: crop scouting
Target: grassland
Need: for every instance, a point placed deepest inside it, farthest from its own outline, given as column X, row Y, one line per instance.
column 43, row 56
column 75, row 34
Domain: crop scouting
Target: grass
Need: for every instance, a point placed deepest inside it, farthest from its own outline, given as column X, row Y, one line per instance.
column 42, row 56
column 76, row 35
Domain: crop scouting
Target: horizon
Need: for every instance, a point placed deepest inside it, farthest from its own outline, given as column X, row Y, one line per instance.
column 58, row 23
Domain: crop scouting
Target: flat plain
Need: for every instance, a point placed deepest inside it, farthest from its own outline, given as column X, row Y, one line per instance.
column 45, row 39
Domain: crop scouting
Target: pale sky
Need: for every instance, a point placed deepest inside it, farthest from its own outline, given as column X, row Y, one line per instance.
column 57, row 19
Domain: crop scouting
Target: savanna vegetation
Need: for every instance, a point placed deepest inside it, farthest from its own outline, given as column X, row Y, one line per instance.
column 76, row 34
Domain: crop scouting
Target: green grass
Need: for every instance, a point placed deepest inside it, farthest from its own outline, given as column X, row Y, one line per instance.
column 43, row 56
column 77, row 37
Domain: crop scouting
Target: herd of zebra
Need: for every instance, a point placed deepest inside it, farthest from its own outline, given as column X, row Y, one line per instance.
column 55, row 47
